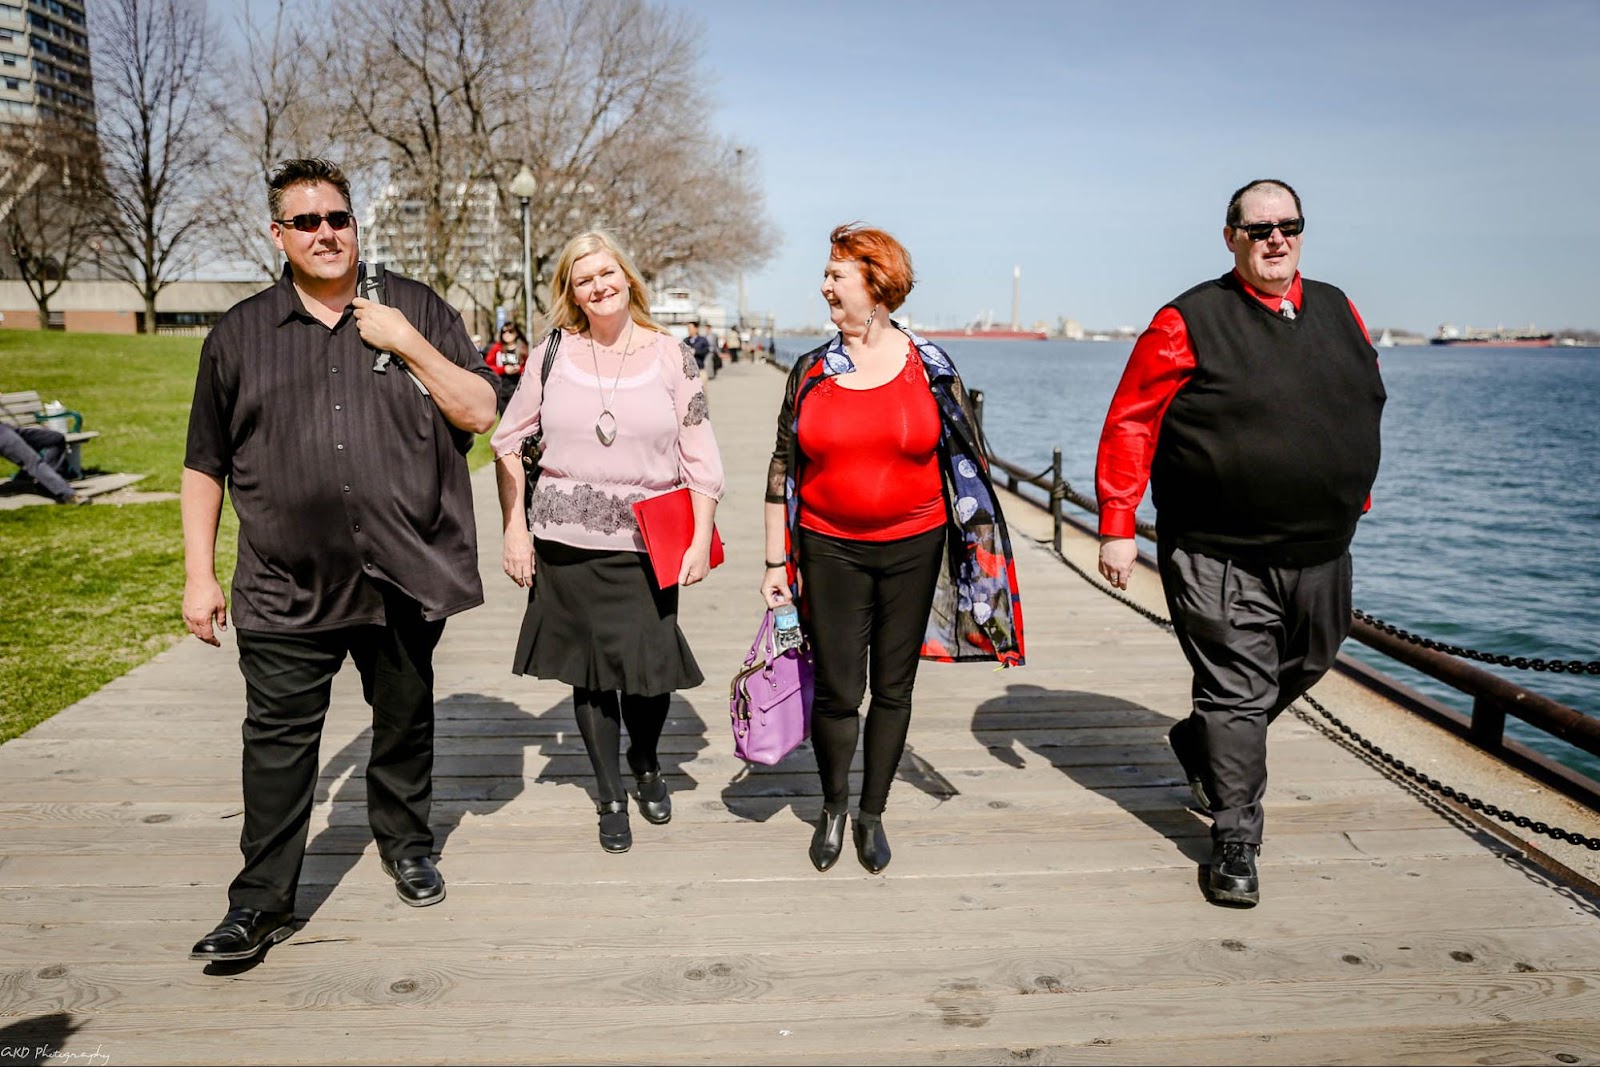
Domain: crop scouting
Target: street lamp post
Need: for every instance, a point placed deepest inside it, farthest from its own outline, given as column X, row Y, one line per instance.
column 523, row 186
column 738, row 155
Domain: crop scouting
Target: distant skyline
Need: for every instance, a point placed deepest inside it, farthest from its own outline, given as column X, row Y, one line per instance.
column 1446, row 152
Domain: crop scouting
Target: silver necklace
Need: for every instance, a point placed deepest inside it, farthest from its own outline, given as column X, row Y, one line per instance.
column 605, row 427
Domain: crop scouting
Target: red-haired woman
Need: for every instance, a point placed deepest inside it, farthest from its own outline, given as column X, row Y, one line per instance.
column 881, row 517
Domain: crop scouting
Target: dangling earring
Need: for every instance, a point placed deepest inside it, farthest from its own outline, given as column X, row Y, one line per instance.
column 868, row 327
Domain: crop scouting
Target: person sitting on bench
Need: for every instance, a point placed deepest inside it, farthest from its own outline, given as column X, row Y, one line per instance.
column 41, row 453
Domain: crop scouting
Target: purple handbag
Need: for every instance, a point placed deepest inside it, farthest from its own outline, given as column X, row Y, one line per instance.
column 769, row 700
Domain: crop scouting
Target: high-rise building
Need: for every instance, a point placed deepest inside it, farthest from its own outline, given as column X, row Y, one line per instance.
column 45, row 80
column 44, row 63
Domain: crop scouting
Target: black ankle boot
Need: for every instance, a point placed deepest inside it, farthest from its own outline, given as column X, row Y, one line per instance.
column 872, row 845
column 615, row 836
column 828, row 841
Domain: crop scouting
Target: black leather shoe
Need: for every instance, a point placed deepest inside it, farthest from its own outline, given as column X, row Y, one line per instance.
column 1196, row 762
column 243, row 934
column 655, row 803
column 872, row 845
column 416, row 880
column 615, row 836
column 828, row 841
column 1233, row 878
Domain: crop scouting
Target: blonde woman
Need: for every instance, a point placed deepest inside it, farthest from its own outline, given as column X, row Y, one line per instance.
column 626, row 420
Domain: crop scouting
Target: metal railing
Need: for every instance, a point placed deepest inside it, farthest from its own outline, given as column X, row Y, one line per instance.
column 1493, row 698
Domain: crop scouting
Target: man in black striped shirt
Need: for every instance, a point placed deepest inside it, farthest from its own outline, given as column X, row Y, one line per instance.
column 339, row 427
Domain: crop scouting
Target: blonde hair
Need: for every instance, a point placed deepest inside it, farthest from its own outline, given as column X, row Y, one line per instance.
column 565, row 313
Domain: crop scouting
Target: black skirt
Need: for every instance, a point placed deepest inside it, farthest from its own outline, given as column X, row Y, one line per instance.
column 597, row 619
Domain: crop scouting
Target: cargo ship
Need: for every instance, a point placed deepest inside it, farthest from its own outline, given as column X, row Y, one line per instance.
column 983, row 327
column 1496, row 338
column 984, row 333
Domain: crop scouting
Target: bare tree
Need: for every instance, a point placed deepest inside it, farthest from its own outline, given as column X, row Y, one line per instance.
column 621, row 138
column 49, row 225
column 598, row 98
column 428, row 88
column 150, row 61
column 271, row 106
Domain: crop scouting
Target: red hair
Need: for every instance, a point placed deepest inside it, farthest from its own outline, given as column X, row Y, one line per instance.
column 885, row 263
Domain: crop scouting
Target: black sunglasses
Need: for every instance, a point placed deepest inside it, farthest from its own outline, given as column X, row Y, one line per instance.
column 1260, row 231
column 311, row 223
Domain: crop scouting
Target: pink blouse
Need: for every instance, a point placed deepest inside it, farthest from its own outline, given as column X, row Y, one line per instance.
column 587, row 489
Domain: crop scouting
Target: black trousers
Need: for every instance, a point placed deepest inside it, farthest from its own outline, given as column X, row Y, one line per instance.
column 1257, row 638
column 867, row 605
column 288, row 681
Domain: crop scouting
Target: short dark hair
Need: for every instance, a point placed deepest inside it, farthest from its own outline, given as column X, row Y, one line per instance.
column 292, row 172
column 1235, row 211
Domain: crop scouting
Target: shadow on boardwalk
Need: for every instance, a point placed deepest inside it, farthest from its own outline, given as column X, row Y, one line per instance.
column 1113, row 754
column 480, row 781
column 37, row 1041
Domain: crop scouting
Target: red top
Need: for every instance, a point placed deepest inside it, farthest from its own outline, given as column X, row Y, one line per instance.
column 871, row 470
column 1160, row 365
column 495, row 358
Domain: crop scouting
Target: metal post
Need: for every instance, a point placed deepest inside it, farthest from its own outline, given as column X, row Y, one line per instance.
column 1488, row 721
column 527, row 270
column 1055, row 499
column 976, row 396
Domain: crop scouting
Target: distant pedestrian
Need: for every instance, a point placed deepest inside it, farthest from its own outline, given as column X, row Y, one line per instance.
column 507, row 357
column 1251, row 405
column 881, row 519
column 700, row 345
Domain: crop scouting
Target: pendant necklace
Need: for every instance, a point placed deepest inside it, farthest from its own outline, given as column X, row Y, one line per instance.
column 605, row 427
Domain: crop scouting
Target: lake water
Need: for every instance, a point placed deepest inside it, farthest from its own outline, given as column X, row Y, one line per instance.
column 1485, row 525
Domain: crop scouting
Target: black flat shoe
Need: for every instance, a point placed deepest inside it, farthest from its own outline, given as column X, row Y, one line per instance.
column 416, row 880
column 243, row 934
column 1196, row 763
column 1233, row 878
column 655, row 803
column 872, row 845
column 828, row 840
column 615, row 836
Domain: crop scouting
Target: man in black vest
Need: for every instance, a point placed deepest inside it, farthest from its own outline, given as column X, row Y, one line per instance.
column 1251, row 405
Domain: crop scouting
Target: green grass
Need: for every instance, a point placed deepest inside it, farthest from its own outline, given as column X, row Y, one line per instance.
column 87, row 594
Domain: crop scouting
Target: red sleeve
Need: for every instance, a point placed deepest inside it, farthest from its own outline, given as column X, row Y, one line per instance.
column 1160, row 364
column 1359, row 321
column 1368, row 335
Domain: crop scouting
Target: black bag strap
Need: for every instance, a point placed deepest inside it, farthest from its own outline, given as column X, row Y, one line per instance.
column 549, row 357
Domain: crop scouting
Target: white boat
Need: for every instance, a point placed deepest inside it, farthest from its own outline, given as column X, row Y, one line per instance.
column 676, row 308
column 1386, row 340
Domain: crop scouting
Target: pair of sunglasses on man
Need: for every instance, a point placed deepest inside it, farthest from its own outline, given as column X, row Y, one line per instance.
column 311, row 222
column 1260, row 231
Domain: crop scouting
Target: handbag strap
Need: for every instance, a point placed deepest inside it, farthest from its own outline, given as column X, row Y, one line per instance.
column 549, row 357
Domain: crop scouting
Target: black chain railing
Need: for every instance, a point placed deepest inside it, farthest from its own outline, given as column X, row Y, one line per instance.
column 1372, row 750
column 1521, row 663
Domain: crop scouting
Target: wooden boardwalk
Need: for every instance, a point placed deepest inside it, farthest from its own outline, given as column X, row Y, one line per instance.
column 1042, row 906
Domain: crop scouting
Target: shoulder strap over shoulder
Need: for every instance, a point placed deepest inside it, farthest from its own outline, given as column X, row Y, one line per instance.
column 549, row 356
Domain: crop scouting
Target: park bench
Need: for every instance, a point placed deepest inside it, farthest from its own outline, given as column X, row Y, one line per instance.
column 26, row 409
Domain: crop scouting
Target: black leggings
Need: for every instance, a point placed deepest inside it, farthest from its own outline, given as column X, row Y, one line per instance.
column 601, row 716
column 865, row 596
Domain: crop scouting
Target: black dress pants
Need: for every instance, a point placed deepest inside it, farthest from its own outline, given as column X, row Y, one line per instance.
column 1257, row 637
column 288, row 682
column 865, row 600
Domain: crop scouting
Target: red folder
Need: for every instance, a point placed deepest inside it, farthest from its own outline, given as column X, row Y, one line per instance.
column 667, row 524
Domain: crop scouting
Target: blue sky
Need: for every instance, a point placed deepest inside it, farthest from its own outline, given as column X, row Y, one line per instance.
column 1446, row 152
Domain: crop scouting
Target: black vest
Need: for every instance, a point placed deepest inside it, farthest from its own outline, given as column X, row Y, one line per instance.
column 1268, row 453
